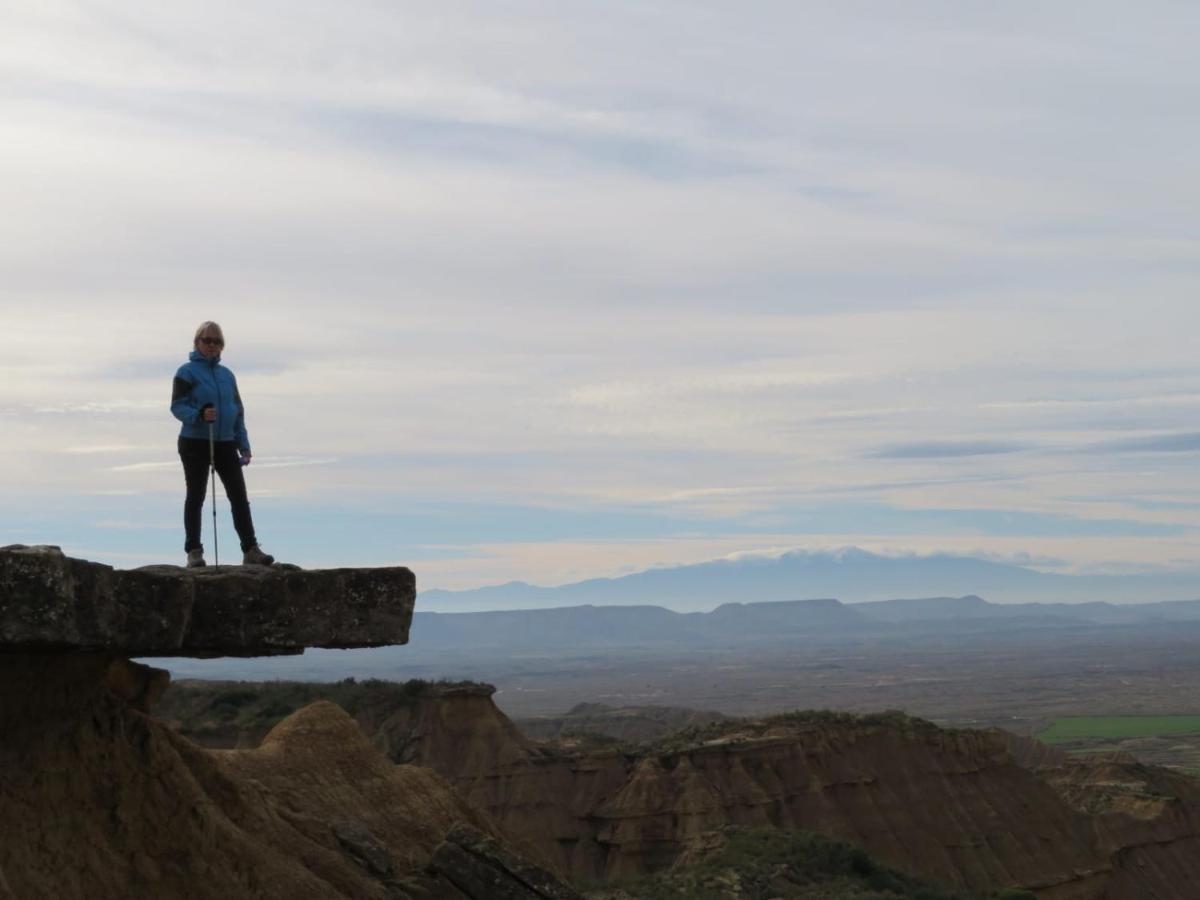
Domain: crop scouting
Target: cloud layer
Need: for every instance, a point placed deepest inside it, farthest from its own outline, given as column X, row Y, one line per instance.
column 500, row 286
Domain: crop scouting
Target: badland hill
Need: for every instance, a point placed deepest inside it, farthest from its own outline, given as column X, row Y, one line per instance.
column 98, row 799
column 428, row 791
column 983, row 810
column 955, row 806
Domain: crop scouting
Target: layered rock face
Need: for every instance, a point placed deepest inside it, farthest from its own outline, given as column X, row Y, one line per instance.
column 953, row 806
column 98, row 800
column 51, row 602
column 102, row 801
column 636, row 724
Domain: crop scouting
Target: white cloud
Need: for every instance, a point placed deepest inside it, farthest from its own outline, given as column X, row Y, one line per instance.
column 172, row 465
column 101, row 449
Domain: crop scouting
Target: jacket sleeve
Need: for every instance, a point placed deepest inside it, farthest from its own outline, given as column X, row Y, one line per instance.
column 239, row 424
column 183, row 404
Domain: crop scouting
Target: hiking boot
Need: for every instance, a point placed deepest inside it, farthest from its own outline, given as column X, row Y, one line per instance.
column 256, row 557
column 196, row 558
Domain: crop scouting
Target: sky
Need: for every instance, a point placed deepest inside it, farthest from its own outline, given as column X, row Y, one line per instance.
column 548, row 291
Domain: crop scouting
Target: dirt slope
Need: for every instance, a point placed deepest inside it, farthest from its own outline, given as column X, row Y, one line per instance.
column 98, row 800
column 628, row 724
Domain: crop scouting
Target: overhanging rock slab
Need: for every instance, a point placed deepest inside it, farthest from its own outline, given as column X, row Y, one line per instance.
column 50, row 602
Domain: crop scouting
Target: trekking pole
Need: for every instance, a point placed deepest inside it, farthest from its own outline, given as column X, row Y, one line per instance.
column 212, row 469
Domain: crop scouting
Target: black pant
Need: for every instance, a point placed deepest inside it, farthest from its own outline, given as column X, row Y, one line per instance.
column 194, row 453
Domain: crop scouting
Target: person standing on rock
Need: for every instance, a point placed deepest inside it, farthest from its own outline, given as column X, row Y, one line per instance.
column 205, row 399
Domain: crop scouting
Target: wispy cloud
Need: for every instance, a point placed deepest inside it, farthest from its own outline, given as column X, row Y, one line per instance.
column 946, row 449
column 291, row 462
column 1187, row 442
column 146, row 466
column 98, row 407
column 134, row 525
column 1059, row 405
column 266, row 462
column 100, row 449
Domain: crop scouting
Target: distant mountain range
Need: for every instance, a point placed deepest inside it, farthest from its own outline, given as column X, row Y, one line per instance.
column 851, row 575
column 442, row 644
column 746, row 605
column 609, row 628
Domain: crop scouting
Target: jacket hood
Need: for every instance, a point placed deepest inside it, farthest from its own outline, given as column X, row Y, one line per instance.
column 197, row 356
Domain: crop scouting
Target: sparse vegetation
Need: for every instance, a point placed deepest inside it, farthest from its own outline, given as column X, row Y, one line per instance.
column 1165, row 740
column 767, row 863
column 241, row 712
column 584, row 741
column 736, row 730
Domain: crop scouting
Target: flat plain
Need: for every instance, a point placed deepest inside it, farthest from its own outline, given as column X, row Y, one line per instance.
column 1022, row 677
column 1076, row 728
column 1023, row 681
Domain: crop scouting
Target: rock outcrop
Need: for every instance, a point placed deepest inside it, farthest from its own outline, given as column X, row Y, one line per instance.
column 99, row 800
column 481, row 867
column 1147, row 816
column 52, row 602
column 630, row 724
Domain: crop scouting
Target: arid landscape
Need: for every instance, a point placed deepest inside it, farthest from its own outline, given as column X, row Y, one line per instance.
column 1021, row 683
column 1019, row 677
column 645, row 808
column 426, row 789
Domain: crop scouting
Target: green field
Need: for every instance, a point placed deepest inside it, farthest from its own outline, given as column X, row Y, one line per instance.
column 1082, row 728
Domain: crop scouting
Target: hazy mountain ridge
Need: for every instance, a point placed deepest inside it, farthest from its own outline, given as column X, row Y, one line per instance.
column 452, row 645
column 852, row 575
column 749, row 603
column 600, row 627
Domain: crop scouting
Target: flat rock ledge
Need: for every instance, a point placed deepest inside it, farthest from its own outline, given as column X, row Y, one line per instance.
column 54, row 603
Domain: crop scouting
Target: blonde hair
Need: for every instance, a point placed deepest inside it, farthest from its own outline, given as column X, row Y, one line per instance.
column 205, row 328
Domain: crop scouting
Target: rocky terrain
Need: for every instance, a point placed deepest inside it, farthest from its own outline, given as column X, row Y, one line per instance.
column 754, row 863
column 622, row 724
column 238, row 714
column 101, row 800
column 980, row 809
column 983, row 810
column 428, row 790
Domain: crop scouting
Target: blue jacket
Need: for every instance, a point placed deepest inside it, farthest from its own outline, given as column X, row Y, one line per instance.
column 202, row 381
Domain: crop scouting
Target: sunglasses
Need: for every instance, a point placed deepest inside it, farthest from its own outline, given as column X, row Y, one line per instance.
column 212, row 342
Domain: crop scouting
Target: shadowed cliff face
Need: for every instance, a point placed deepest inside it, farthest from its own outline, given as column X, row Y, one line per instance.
column 1151, row 815
column 952, row 806
column 628, row 724
column 99, row 800
column 103, row 801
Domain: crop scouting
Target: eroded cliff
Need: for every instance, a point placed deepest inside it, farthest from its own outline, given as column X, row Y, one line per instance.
column 100, row 800
column 949, row 805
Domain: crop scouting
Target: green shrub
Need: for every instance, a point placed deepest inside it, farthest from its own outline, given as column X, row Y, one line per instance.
column 778, row 863
column 235, row 699
column 258, row 706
